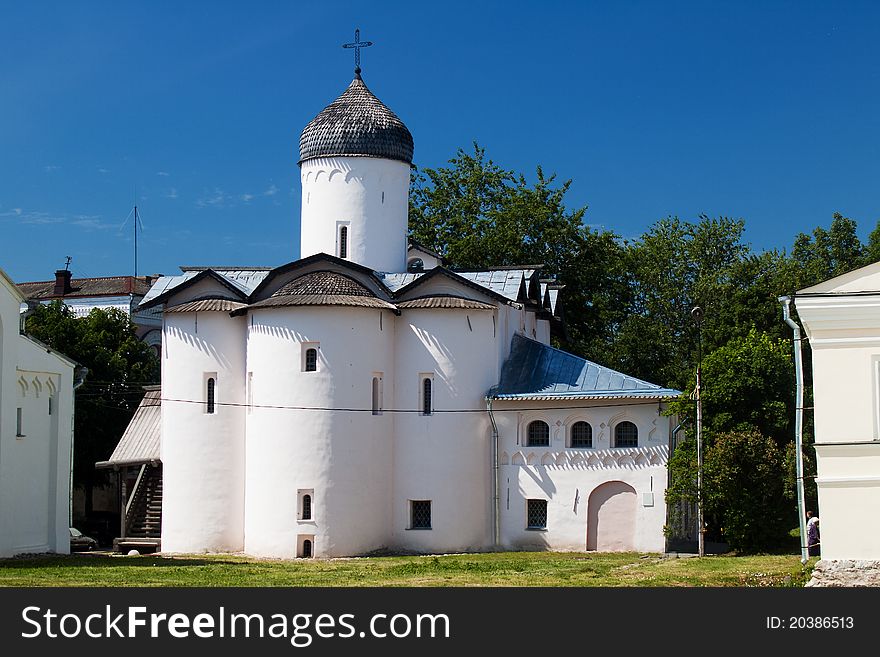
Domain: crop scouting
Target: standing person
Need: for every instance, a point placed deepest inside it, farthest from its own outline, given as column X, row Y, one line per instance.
column 812, row 534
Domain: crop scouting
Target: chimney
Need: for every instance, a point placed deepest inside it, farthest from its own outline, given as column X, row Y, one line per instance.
column 62, row 282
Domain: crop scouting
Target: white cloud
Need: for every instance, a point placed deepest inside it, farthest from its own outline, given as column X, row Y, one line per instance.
column 172, row 193
column 103, row 170
column 215, row 199
column 271, row 191
column 162, row 173
column 49, row 168
column 246, row 197
column 91, row 222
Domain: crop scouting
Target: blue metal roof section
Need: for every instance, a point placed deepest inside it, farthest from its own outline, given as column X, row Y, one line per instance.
column 536, row 371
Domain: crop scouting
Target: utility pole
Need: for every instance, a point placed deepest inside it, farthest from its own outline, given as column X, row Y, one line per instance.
column 697, row 314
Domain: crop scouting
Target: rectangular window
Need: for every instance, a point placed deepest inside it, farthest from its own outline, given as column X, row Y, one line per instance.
column 536, row 514
column 50, row 406
column 18, row 424
column 420, row 514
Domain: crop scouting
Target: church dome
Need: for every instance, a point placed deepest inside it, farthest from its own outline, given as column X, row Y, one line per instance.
column 356, row 124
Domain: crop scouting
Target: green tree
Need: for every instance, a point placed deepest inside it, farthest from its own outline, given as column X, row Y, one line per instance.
column 747, row 384
column 119, row 364
column 743, row 491
column 675, row 266
column 478, row 215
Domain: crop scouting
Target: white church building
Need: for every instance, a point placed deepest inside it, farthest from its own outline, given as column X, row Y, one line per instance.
column 36, row 435
column 367, row 398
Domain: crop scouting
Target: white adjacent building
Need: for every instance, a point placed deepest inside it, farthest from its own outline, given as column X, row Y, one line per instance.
column 367, row 398
column 36, row 432
column 842, row 320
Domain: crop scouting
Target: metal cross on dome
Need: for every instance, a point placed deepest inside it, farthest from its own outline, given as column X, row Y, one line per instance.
column 357, row 45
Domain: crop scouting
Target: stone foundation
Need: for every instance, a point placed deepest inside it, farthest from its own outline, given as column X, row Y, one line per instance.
column 846, row 573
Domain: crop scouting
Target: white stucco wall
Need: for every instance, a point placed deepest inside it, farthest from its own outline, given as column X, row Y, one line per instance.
column 444, row 457
column 203, row 454
column 343, row 456
column 567, row 477
column 368, row 194
column 844, row 336
column 34, row 466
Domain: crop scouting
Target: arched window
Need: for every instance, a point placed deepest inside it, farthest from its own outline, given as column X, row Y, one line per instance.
column 581, row 435
column 311, row 360
column 307, row 507
column 427, row 396
column 626, row 434
column 307, row 549
column 343, row 242
column 210, row 395
column 377, row 392
column 539, row 434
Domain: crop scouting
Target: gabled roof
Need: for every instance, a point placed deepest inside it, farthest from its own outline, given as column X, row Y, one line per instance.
column 455, row 276
column 189, row 279
column 321, row 288
column 317, row 257
column 865, row 280
column 142, row 440
column 106, row 286
column 535, row 371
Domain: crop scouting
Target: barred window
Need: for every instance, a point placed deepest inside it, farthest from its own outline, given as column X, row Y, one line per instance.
column 536, row 514
column 210, row 395
column 307, row 507
column 581, row 435
column 539, row 434
column 420, row 514
column 343, row 242
column 427, row 396
column 626, row 434
column 311, row 360
column 307, row 549
column 377, row 395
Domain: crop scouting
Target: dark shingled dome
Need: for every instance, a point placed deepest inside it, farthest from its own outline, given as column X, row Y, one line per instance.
column 358, row 124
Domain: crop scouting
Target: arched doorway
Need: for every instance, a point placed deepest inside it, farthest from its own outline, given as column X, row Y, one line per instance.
column 611, row 518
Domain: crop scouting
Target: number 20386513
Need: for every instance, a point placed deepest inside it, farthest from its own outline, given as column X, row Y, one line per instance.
column 810, row 623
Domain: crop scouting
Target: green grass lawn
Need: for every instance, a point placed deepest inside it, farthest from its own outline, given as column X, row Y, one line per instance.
column 493, row 569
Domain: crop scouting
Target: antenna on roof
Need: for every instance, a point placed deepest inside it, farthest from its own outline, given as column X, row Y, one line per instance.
column 67, row 264
column 137, row 221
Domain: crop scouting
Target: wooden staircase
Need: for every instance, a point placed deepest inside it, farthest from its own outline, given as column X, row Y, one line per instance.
column 143, row 519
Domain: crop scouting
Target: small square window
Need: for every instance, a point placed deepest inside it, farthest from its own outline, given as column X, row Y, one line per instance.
column 420, row 514
column 536, row 514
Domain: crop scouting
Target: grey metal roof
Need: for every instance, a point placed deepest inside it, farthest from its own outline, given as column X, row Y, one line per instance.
column 395, row 281
column 506, row 282
column 206, row 305
column 141, row 442
column 359, row 124
column 445, row 301
column 536, row 371
column 244, row 279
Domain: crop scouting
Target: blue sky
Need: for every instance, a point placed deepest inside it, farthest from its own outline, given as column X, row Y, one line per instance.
column 768, row 111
